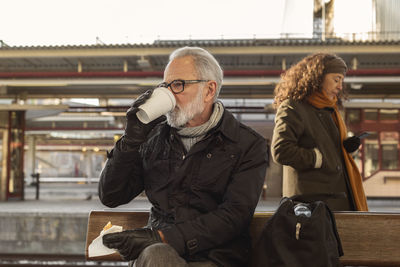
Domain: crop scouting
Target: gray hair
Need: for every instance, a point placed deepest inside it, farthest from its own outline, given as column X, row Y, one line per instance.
column 206, row 65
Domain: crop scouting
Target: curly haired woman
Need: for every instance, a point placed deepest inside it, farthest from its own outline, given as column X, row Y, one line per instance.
column 310, row 137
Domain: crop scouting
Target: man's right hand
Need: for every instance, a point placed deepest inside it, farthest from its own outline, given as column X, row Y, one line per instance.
column 135, row 131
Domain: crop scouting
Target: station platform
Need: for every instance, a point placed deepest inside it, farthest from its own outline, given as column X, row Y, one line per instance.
column 56, row 224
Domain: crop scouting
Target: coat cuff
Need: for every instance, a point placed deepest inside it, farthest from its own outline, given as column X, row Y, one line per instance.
column 318, row 158
column 121, row 154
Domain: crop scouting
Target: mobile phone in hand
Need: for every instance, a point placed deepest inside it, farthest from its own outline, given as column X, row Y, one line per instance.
column 363, row 135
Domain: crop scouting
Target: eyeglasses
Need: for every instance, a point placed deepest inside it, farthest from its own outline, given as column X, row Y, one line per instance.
column 177, row 86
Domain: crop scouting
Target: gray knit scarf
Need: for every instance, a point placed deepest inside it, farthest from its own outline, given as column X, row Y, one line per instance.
column 191, row 135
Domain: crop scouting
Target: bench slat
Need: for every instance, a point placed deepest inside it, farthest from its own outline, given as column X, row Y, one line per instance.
column 368, row 238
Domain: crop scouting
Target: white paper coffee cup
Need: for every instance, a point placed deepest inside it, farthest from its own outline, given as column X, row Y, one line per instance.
column 160, row 103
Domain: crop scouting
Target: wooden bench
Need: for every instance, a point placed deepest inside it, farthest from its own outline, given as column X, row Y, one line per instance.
column 368, row 238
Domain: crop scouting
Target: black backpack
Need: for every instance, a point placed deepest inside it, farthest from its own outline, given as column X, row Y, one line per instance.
column 288, row 240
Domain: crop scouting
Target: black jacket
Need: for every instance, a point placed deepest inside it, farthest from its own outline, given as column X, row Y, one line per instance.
column 203, row 200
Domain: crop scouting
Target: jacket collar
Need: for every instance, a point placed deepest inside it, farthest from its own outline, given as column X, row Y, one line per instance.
column 229, row 126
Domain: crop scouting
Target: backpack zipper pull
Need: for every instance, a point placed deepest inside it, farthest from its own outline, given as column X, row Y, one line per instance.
column 298, row 226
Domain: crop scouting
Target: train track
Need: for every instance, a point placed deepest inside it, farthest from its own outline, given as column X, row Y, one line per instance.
column 27, row 260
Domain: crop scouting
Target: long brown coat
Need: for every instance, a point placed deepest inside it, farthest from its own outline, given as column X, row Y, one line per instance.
column 299, row 128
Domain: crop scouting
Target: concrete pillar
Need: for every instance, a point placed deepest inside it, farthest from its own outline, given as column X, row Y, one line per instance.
column 12, row 175
column 3, row 154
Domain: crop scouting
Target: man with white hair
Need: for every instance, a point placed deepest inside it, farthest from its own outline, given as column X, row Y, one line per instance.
column 201, row 169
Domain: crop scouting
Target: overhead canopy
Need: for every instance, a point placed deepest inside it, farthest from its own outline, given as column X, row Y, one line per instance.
column 251, row 67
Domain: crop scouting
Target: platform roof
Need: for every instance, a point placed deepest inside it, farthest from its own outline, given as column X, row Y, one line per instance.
column 251, row 67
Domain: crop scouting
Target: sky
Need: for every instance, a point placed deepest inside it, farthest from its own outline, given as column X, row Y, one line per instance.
column 80, row 22
column 56, row 22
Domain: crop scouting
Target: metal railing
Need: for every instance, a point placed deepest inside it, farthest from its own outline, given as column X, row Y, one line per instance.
column 68, row 179
column 345, row 36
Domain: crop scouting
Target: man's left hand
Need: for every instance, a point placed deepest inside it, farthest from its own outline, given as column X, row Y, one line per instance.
column 130, row 243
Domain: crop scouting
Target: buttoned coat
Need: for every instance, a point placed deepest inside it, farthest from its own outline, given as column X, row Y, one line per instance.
column 299, row 129
column 203, row 200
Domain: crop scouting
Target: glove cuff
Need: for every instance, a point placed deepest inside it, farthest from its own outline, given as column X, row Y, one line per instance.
column 318, row 158
column 162, row 237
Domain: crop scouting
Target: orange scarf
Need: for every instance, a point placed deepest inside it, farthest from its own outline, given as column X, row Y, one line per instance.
column 320, row 100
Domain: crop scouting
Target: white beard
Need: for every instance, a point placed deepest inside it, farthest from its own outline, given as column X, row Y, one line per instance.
column 180, row 116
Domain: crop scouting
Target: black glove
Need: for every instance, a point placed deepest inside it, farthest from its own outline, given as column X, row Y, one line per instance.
column 135, row 131
column 351, row 144
column 130, row 243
